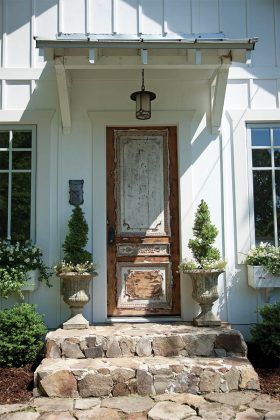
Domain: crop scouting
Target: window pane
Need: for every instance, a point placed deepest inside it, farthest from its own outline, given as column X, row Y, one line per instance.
column 263, row 206
column 21, row 206
column 260, row 136
column 22, row 139
column 4, row 160
column 21, row 160
column 276, row 136
column 3, row 205
column 261, row 157
column 277, row 157
column 277, row 187
column 4, row 139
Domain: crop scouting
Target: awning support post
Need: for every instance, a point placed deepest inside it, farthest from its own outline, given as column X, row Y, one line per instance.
column 63, row 84
column 218, row 91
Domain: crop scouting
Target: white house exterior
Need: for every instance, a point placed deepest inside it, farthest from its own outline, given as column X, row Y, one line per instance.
column 220, row 100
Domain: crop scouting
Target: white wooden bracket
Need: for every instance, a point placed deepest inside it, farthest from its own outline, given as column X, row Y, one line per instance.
column 218, row 84
column 63, row 86
column 144, row 56
column 198, row 57
column 93, row 55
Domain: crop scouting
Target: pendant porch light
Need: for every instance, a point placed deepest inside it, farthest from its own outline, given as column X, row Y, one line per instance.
column 143, row 100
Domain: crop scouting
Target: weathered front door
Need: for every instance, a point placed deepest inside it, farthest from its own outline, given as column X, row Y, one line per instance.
column 142, row 234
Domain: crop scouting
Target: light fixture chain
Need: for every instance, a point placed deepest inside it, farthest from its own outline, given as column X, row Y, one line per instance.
column 143, row 84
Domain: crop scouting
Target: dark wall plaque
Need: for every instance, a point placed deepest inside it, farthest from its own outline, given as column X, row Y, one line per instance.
column 76, row 192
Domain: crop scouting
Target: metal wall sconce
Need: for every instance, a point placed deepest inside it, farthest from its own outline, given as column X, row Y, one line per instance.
column 143, row 100
column 76, row 192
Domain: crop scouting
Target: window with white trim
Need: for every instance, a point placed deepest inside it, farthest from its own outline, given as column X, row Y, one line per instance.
column 17, row 182
column 264, row 160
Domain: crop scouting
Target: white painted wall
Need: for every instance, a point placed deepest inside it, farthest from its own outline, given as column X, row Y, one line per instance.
column 213, row 168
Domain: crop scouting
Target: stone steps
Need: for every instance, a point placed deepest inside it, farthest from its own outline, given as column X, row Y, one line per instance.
column 145, row 359
column 144, row 340
column 103, row 377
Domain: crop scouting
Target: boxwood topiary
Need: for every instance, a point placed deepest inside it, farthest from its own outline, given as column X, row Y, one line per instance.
column 76, row 239
column 22, row 331
column 206, row 256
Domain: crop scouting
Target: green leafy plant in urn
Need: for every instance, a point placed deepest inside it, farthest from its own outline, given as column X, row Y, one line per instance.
column 76, row 270
column 205, row 267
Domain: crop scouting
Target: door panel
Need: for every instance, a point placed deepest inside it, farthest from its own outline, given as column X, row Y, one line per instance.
column 143, row 252
column 142, row 183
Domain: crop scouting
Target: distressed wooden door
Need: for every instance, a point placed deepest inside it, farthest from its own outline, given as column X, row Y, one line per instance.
column 142, row 231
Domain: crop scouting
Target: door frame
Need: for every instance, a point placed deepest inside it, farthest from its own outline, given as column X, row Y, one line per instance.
column 174, row 219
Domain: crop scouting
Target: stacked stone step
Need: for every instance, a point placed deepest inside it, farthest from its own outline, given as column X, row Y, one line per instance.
column 144, row 359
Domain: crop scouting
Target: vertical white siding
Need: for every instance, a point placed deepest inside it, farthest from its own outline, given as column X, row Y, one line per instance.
column 264, row 94
column 236, row 18
column 177, row 15
column 46, row 13
column 100, row 16
column 17, row 94
column 17, row 16
column 1, row 30
column 127, row 16
column 73, row 16
column 237, row 95
column 207, row 168
column 205, row 16
column 277, row 30
column 260, row 16
column 233, row 18
column 152, row 16
column 46, row 24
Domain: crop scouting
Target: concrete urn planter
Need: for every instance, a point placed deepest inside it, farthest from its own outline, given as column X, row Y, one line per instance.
column 76, row 294
column 205, row 293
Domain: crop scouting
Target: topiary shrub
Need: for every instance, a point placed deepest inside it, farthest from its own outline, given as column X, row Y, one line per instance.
column 206, row 256
column 21, row 335
column 205, row 234
column 267, row 334
column 76, row 240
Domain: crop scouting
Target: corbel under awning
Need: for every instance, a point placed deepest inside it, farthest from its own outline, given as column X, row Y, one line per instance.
column 172, row 52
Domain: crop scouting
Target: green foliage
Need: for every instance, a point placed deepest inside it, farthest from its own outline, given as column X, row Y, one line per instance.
column 267, row 333
column 15, row 261
column 265, row 255
column 76, row 239
column 76, row 258
column 11, row 281
column 205, row 233
column 21, row 335
column 205, row 255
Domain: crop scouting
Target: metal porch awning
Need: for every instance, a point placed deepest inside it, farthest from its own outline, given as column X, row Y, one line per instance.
column 183, row 51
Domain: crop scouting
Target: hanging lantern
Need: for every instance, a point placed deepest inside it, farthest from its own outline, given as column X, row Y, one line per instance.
column 143, row 100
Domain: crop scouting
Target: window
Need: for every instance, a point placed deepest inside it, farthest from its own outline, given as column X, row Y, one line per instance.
column 264, row 160
column 17, row 179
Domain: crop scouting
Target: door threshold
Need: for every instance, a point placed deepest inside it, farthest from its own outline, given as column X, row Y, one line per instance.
column 143, row 319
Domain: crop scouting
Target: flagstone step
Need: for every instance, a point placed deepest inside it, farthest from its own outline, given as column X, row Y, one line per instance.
column 144, row 340
column 103, row 377
column 238, row 405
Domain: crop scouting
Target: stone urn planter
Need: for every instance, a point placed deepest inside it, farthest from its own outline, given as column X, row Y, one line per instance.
column 205, row 293
column 76, row 294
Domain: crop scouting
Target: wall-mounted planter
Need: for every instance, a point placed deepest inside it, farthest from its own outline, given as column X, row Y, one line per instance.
column 32, row 281
column 259, row 278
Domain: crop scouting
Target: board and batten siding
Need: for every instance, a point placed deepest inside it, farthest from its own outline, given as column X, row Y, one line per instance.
column 208, row 165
